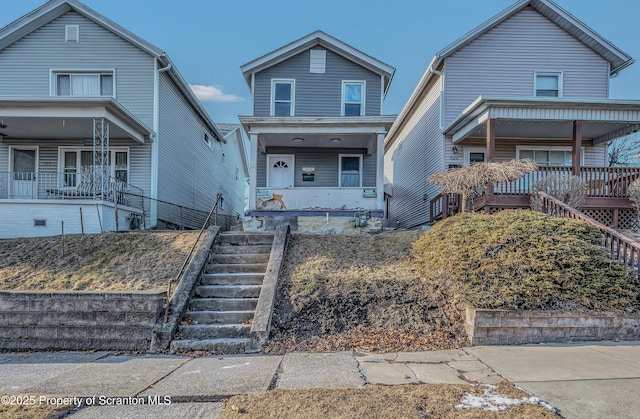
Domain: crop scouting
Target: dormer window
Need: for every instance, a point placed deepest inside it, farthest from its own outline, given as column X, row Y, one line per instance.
column 353, row 98
column 282, row 97
column 83, row 84
column 548, row 84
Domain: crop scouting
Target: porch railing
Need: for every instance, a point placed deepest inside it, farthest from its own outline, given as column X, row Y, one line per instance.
column 25, row 185
column 620, row 247
column 606, row 182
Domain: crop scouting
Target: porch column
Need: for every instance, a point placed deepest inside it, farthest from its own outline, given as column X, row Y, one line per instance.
column 491, row 148
column 380, row 170
column 253, row 169
column 576, row 150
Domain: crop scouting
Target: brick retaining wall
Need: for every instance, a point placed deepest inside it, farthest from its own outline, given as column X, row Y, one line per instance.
column 517, row 327
column 78, row 320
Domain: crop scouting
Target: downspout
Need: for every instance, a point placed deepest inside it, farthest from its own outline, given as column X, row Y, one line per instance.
column 155, row 145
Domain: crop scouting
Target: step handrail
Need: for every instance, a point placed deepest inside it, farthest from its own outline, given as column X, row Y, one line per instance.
column 188, row 258
column 619, row 246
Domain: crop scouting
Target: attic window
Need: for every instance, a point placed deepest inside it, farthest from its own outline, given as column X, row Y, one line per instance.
column 72, row 33
column 548, row 83
column 317, row 61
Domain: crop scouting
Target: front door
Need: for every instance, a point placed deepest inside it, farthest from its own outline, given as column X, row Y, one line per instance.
column 280, row 171
column 23, row 176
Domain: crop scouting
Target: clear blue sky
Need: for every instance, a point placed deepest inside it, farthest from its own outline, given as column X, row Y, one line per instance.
column 209, row 40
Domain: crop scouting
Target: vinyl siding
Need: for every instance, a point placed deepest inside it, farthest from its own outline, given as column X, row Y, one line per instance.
column 503, row 61
column 415, row 154
column 316, row 94
column 326, row 163
column 506, row 149
column 25, row 65
column 231, row 189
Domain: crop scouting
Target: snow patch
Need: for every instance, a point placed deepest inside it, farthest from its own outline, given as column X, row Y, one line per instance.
column 495, row 402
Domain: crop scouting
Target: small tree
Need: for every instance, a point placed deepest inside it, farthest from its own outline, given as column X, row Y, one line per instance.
column 569, row 189
column 634, row 196
column 474, row 179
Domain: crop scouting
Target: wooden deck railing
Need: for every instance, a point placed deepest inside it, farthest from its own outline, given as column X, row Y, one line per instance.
column 605, row 182
column 621, row 248
column 443, row 206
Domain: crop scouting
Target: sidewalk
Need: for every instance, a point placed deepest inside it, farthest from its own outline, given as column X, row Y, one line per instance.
column 591, row 380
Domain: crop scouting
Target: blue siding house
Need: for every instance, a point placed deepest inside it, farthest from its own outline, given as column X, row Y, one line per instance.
column 93, row 117
column 316, row 134
column 531, row 82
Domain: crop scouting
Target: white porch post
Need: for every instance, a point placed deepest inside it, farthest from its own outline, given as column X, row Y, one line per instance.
column 380, row 170
column 253, row 170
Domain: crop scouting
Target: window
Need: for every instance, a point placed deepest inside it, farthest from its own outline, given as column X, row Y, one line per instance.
column 83, row 84
column 237, row 174
column 548, row 84
column 77, row 165
column 282, row 97
column 207, row 139
column 547, row 156
column 353, row 98
column 350, row 170
column 221, row 203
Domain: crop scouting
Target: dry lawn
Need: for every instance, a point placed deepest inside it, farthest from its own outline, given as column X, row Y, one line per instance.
column 406, row 401
column 28, row 409
column 135, row 261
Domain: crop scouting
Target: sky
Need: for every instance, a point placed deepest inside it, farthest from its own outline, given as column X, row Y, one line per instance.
column 208, row 40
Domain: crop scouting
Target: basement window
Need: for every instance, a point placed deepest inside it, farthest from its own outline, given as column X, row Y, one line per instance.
column 39, row 223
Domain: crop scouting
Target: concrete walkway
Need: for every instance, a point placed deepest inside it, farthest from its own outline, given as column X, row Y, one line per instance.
column 596, row 380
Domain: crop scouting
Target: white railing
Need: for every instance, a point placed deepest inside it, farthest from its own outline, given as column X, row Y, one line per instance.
column 25, row 185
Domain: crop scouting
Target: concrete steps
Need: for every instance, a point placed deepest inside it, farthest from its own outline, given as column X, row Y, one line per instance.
column 220, row 314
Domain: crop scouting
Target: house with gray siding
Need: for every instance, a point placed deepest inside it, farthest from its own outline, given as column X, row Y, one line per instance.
column 316, row 136
column 531, row 82
column 98, row 127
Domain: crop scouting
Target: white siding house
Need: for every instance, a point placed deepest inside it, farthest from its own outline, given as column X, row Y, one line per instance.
column 316, row 136
column 531, row 82
column 96, row 121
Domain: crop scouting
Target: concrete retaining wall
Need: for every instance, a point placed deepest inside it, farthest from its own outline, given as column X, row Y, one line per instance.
column 517, row 327
column 78, row 320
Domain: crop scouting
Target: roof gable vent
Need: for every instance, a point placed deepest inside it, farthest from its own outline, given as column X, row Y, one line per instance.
column 317, row 61
column 72, row 33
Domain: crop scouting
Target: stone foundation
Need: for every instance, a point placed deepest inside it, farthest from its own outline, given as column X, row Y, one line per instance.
column 517, row 327
column 78, row 320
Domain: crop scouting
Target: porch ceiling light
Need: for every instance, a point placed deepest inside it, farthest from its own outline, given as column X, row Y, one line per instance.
column 335, row 140
column 298, row 140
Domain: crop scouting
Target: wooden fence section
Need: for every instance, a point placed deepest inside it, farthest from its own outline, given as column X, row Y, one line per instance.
column 621, row 248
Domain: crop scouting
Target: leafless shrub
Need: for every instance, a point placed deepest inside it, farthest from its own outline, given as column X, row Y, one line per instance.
column 475, row 178
column 569, row 189
column 634, row 196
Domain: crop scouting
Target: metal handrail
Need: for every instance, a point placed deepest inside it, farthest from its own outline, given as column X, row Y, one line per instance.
column 188, row 258
column 620, row 247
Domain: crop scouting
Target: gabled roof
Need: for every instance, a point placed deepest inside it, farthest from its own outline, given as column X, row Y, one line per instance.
column 326, row 41
column 235, row 130
column 617, row 58
column 56, row 8
column 557, row 15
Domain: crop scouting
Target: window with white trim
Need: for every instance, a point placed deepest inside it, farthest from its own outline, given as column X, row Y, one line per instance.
column 350, row 170
column 76, row 165
column 207, row 139
column 353, row 93
column 282, row 97
column 548, row 84
column 547, row 156
column 84, row 84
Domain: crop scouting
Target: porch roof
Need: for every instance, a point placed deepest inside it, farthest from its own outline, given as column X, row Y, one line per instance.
column 546, row 118
column 305, row 131
column 68, row 118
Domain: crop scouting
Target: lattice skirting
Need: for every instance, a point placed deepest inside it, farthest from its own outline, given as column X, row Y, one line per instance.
column 626, row 217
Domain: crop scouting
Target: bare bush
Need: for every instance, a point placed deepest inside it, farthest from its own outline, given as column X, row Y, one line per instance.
column 474, row 179
column 634, row 197
column 569, row 189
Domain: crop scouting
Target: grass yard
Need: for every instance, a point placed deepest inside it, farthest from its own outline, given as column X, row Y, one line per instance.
column 133, row 261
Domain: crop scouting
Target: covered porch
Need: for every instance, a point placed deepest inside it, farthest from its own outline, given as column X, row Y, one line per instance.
column 564, row 136
column 63, row 153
